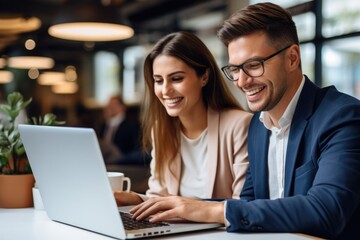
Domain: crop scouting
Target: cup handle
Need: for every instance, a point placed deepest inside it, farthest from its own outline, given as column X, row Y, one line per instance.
column 128, row 184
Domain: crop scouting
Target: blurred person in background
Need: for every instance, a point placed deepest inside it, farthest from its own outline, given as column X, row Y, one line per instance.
column 120, row 134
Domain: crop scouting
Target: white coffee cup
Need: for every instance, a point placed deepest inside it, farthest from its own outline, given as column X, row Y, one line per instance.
column 38, row 203
column 117, row 180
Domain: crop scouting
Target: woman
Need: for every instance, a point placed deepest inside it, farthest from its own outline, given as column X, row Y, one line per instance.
column 196, row 128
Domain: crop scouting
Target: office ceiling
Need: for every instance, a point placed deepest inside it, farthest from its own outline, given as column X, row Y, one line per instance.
column 150, row 19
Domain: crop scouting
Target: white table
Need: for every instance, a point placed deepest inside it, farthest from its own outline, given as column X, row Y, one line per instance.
column 31, row 224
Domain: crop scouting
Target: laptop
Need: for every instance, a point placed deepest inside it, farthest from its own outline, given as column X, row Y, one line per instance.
column 72, row 179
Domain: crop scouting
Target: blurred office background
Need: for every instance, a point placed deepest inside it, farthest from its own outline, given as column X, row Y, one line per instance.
column 82, row 74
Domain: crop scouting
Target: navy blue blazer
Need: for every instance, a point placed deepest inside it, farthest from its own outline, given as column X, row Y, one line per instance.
column 322, row 171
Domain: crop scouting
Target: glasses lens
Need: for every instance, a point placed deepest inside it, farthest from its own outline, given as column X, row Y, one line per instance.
column 254, row 68
column 230, row 72
column 233, row 71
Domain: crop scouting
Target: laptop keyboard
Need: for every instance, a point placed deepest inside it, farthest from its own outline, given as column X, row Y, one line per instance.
column 132, row 224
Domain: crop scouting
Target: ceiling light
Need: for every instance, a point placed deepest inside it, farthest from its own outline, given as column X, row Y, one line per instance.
column 6, row 76
column 2, row 62
column 89, row 21
column 27, row 62
column 25, row 59
column 33, row 73
column 70, row 73
column 51, row 78
column 91, row 31
column 19, row 25
column 65, row 88
column 30, row 44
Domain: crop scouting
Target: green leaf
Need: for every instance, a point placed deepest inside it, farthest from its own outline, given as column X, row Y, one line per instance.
column 10, row 141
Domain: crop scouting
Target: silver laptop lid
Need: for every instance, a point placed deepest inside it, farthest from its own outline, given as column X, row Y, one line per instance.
column 70, row 172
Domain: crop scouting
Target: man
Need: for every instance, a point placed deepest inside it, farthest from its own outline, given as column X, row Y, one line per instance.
column 304, row 149
column 120, row 135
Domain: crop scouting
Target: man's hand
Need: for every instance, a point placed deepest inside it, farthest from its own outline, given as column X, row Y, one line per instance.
column 175, row 206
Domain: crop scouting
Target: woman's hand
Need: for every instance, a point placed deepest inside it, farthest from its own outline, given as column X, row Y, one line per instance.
column 175, row 206
column 127, row 198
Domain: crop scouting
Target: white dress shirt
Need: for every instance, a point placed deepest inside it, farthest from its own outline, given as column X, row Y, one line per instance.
column 278, row 145
column 277, row 148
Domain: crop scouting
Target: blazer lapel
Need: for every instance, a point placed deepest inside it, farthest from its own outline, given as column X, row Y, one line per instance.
column 260, row 161
column 212, row 147
column 303, row 111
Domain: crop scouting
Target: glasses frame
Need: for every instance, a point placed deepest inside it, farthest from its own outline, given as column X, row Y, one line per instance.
column 241, row 66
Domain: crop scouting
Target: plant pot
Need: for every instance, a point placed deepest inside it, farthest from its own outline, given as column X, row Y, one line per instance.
column 16, row 191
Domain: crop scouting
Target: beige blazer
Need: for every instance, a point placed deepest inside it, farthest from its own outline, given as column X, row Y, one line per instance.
column 227, row 156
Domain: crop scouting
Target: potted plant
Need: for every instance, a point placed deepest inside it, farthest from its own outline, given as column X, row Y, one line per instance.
column 15, row 171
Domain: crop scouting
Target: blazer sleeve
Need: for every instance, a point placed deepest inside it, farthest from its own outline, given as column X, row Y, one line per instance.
column 240, row 151
column 247, row 192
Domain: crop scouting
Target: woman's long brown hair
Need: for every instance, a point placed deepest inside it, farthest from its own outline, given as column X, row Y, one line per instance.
column 157, row 125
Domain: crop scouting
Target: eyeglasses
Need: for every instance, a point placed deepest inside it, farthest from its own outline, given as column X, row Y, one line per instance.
column 252, row 68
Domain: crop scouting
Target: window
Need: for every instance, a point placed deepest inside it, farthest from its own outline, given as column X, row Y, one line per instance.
column 341, row 65
column 133, row 83
column 307, row 52
column 340, row 17
column 106, row 76
column 305, row 24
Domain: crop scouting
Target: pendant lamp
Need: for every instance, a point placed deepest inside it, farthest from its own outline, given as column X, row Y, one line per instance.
column 2, row 62
column 27, row 59
column 30, row 60
column 51, row 78
column 89, row 21
column 19, row 25
column 6, row 76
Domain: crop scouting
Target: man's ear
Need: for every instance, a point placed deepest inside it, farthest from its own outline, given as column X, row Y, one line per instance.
column 294, row 56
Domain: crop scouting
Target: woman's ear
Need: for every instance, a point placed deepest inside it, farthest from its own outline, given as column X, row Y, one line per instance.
column 205, row 78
